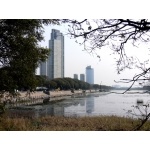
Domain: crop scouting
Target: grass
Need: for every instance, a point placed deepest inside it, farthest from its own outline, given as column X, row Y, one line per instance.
column 52, row 123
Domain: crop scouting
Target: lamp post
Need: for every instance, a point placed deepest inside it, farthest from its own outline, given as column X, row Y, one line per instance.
column 100, row 87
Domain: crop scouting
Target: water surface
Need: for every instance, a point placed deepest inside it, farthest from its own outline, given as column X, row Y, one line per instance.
column 91, row 105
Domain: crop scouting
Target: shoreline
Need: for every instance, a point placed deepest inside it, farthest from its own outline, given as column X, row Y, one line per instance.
column 39, row 97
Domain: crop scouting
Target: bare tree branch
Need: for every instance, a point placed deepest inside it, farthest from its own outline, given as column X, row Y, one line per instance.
column 115, row 33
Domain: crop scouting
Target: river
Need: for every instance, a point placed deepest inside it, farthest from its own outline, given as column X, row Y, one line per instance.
column 90, row 105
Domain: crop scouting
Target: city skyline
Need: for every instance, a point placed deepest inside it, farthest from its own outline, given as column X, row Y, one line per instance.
column 53, row 67
column 76, row 59
column 89, row 73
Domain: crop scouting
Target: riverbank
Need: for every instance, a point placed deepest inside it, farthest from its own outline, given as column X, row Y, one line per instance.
column 52, row 94
column 39, row 97
column 53, row 123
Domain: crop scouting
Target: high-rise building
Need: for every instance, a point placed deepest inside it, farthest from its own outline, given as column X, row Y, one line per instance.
column 82, row 77
column 43, row 68
column 54, row 66
column 75, row 76
column 89, row 75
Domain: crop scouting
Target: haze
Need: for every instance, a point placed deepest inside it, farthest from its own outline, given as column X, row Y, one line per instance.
column 76, row 60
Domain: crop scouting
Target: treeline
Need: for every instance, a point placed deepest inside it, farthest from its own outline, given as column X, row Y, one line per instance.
column 146, row 88
column 61, row 83
column 101, row 87
column 67, row 84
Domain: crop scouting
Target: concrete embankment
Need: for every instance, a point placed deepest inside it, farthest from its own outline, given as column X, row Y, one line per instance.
column 39, row 97
column 52, row 94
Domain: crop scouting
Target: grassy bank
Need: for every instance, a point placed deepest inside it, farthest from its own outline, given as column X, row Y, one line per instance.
column 104, row 123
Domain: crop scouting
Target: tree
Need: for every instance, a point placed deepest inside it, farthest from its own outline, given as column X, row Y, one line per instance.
column 20, row 51
column 96, row 86
column 114, row 33
column 53, row 85
column 70, row 82
column 41, row 80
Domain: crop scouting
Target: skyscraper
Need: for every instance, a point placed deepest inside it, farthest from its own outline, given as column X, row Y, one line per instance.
column 75, row 76
column 54, row 66
column 82, row 77
column 89, row 75
column 43, row 68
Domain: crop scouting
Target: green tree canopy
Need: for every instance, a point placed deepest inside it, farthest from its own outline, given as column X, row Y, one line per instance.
column 63, row 83
column 20, row 51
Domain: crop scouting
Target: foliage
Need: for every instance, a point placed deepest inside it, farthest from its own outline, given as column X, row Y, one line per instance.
column 53, row 84
column 67, row 84
column 2, row 108
column 20, row 51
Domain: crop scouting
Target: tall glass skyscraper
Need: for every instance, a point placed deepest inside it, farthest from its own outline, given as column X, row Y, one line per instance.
column 89, row 75
column 54, row 66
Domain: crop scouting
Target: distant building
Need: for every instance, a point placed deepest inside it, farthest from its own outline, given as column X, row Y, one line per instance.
column 75, row 76
column 89, row 75
column 43, row 68
column 54, row 66
column 82, row 77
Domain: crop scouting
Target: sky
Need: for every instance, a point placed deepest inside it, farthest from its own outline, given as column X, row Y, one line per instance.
column 77, row 59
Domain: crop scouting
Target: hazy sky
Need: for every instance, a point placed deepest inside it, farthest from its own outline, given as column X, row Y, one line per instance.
column 76, row 60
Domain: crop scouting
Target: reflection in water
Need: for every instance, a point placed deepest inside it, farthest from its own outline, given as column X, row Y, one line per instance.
column 59, row 111
column 90, row 105
column 53, row 110
column 82, row 102
column 44, row 111
column 111, row 104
